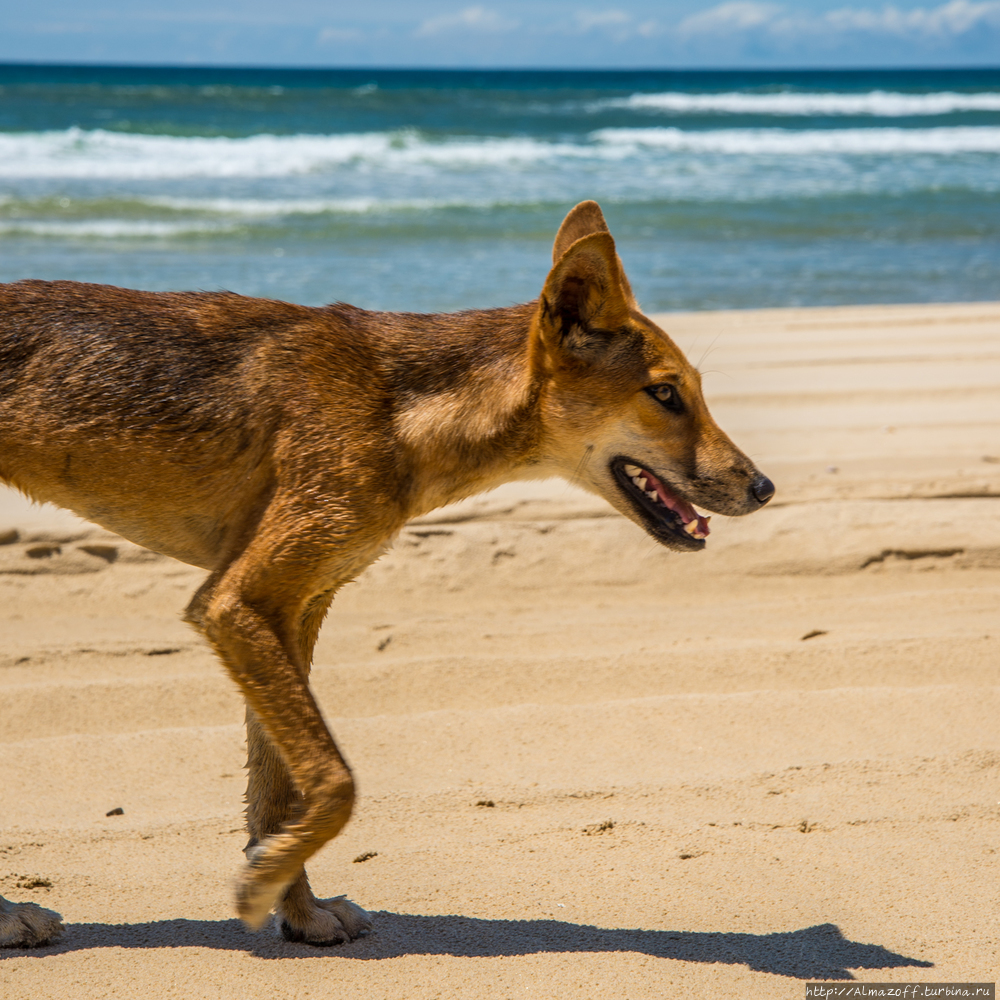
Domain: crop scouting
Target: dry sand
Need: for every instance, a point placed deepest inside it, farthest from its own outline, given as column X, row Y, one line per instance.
column 587, row 766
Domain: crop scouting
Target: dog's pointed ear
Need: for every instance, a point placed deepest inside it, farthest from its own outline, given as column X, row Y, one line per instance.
column 583, row 306
column 583, row 220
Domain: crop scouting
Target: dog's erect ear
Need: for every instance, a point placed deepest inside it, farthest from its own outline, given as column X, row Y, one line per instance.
column 583, row 305
column 583, row 220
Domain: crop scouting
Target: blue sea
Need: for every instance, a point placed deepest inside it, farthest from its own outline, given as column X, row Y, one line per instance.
column 439, row 190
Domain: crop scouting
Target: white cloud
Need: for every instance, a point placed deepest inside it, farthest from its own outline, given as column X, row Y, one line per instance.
column 588, row 19
column 737, row 15
column 477, row 19
column 950, row 20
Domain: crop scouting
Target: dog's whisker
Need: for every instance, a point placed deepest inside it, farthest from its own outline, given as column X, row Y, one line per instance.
column 707, row 351
column 585, row 458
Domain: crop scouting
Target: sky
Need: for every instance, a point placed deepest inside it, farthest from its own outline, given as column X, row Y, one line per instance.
column 504, row 33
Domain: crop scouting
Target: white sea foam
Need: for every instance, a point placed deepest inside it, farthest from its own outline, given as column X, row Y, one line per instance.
column 76, row 153
column 98, row 154
column 110, row 228
column 263, row 208
column 878, row 103
column 805, row 142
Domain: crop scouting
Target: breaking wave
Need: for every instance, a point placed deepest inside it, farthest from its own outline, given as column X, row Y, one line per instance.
column 263, row 208
column 944, row 141
column 111, row 228
column 98, row 154
column 878, row 103
column 77, row 153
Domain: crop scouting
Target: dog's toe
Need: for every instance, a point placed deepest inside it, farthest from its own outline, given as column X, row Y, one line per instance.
column 27, row 925
column 325, row 922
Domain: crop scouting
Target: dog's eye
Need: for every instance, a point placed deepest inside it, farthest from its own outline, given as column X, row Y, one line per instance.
column 665, row 394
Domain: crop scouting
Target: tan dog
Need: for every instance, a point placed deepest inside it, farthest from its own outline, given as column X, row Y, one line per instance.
column 281, row 448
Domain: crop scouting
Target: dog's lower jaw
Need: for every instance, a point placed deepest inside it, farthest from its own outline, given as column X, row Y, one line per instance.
column 28, row 925
column 321, row 921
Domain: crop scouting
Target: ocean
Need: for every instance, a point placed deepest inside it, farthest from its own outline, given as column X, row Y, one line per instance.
column 440, row 190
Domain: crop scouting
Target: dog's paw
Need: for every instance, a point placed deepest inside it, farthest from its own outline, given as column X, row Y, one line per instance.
column 27, row 925
column 256, row 895
column 323, row 921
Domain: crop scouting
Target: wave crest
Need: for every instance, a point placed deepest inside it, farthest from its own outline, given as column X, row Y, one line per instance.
column 788, row 142
column 98, row 154
column 877, row 103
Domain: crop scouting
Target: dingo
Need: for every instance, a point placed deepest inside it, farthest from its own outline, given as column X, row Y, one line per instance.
column 282, row 447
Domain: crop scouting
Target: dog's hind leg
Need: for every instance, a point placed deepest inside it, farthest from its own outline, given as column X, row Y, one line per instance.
column 27, row 925
column 303, row 917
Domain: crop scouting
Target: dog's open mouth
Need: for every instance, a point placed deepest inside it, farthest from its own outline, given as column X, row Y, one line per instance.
column 667, row 516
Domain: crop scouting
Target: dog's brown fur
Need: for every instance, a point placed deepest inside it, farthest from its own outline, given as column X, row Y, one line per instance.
column 281, row 448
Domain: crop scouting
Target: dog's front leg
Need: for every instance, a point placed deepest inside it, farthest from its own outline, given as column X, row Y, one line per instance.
column 272, row 800
column 256, row 613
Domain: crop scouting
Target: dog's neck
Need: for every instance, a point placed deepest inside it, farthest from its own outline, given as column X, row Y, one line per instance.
column 466, row 403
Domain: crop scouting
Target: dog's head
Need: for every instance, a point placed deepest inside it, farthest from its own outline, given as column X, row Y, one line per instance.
column 623, row 410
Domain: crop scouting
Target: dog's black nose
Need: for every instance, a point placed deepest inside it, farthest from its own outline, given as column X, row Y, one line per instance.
column 763, row 489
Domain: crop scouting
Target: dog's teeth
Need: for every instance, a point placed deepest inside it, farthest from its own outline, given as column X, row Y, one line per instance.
column 652, row 494
column 632, row 470
column 691, row 528
column 642, row 482
column 699, row 535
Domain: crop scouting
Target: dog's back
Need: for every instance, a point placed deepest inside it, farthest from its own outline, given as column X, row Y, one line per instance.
column 139, row 410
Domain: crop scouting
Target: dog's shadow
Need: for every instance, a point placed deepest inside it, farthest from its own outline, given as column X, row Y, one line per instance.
column 820, row 952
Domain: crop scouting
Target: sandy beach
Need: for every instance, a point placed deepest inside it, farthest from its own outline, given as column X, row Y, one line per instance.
column 587, row 766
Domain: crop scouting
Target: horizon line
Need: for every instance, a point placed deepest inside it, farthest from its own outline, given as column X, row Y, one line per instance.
column 907, row 68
